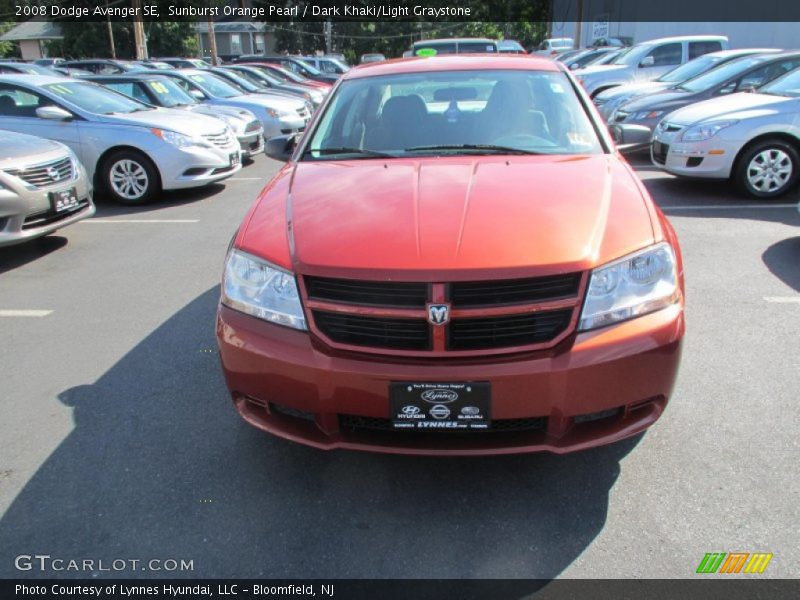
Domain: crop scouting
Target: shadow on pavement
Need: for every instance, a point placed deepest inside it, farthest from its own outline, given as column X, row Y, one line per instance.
column 18, row 255
column 783, row 261
column 106, row 207
column 159, row 465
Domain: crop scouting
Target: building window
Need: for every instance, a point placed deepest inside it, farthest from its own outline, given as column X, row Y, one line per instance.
column 259, row 43
column 236, row 43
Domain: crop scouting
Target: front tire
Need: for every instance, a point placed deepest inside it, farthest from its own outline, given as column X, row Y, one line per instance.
column 767, row 169
column 130, row 178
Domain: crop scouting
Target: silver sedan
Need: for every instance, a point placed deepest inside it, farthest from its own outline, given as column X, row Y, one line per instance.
column 43, row 187
column 752, row 139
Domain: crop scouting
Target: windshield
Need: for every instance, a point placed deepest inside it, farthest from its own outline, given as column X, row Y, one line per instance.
column 288, row 75
column 169, row 93
column 563, row 43
column 690, row 69
column 623, row 56
column 214, row 85
column 258, row 75
column 305, row 68
column 237, row 80
column 454, row 112
column 95, row 99
column 604, row 59
column 247, row 76
column 719, row 75
column 788, row 85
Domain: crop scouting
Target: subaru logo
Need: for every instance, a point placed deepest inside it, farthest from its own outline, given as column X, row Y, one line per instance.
column 440, row 412
column 470, row 410
column 438, row 314
column 439, row 396
column 53, row 173
column 410, row 409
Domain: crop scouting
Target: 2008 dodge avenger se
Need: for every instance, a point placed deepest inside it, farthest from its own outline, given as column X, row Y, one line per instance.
column 454, row 260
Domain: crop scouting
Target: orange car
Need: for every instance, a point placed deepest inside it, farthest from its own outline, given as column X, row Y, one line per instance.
column 454, row 259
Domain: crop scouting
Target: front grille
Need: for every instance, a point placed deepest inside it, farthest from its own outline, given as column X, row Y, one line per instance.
column 378, row 332
column 252, row 126
column 507, row 315
column 513, row 330
column 220, row 140
column 372, row 293
column 46, row 174
column 355, row 423
column 660, row 152
column 514, row 291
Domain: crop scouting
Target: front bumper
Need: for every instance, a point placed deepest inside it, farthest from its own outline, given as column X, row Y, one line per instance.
column 182, row 168
column 712, row 158
column 285, row 382
column 252, row 143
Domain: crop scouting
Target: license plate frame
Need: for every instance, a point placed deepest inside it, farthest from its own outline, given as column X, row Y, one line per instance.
column 64, row 200
column 437, row 406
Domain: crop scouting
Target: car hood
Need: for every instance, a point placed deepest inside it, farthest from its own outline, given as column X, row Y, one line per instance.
column 15, row 146
column 185, row 122
column 598, row 70
column 667, row 99
column 633, row 89
column 269, row 101
column 229, row 111
column 441, row 217
column 728, row 106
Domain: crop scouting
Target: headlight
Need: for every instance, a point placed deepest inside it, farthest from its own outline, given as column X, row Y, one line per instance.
column 647, row 114
column 635, row 285
column 277, row 114
column 177, row 139
column 705, row 131
column 257, row 288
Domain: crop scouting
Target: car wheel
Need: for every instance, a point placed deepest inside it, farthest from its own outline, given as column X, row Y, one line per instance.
column 130, row 177
column 767, row 169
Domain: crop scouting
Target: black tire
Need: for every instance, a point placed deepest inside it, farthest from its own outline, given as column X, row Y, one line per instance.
column 143, row 184
column 769, row 158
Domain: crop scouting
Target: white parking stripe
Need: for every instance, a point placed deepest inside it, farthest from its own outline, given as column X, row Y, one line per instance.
column 783, row 299
column 727, row 206
column 160, row 221
column 24, row 313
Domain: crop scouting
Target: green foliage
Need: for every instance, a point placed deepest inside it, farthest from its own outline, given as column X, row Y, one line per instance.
column 90, row 40
column 7, row 49
column 169, row 38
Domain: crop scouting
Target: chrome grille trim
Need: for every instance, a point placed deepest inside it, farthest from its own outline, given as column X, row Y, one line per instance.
column 46, row 174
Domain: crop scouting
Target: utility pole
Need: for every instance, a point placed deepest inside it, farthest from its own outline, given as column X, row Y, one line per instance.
column 212, row 42
column 579, row 25
column 111, row 36
column 328, row 37
column 138, row 31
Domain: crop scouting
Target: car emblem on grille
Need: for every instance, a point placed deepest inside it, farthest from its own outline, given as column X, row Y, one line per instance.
column 53, row 173
column 438, row 314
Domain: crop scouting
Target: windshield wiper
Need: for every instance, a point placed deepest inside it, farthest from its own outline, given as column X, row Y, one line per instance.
column 484, row 148
column 358, row 151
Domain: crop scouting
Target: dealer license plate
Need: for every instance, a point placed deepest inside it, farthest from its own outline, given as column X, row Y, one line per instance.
column 440, row 406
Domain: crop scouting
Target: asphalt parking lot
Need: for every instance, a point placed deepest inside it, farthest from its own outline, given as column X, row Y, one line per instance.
column 120, row 441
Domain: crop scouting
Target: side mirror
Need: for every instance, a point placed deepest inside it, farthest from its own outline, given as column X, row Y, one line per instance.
column 197, row 95
column 647, row 61
column 53, row 113
column 281, row 147
column 573, row 66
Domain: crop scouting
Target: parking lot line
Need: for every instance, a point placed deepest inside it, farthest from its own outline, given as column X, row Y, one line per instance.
column 159, row 221
column 727, row 206
column 24, row 313
column 783, row 299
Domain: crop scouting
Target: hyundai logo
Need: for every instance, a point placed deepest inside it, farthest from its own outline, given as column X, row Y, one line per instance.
column 53, row 173
column 410, row 409
column 438, row 314
column 439, row 396
column 440, row 412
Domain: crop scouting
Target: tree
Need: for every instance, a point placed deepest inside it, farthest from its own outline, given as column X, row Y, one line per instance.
column 7, row 49
column 90, row 39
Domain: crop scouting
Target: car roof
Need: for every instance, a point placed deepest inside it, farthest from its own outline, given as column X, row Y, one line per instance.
column 456, row 40
column 684, row 38
column 36, row 80
column 459, row 62
column 737, row 51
